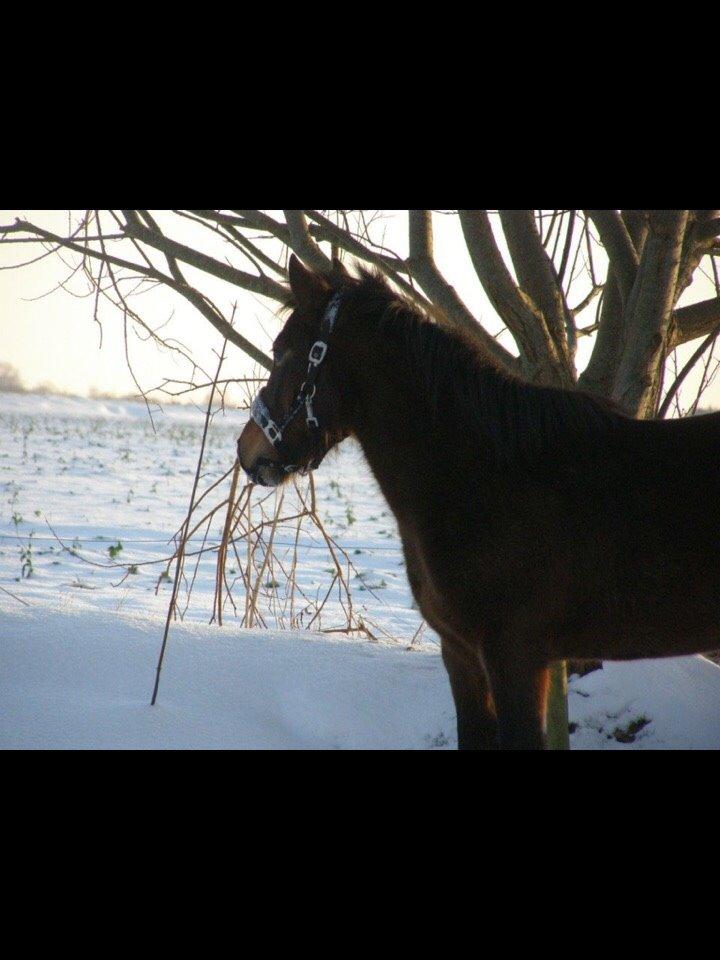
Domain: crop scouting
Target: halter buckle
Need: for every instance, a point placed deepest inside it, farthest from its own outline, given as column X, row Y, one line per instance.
column 317, row 352
column 310, row 417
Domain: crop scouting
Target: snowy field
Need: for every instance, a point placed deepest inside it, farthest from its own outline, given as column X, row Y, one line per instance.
column 79, row 642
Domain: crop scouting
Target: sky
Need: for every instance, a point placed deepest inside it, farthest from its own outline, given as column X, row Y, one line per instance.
column 50, row 336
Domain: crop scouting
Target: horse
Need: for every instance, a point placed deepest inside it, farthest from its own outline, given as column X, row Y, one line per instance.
column 537, row 523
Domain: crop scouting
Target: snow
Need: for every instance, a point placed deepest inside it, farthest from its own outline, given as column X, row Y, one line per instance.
column 77, row 658
column 679, row 695
column 67, row 683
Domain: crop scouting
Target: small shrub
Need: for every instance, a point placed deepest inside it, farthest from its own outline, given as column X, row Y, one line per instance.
column 629, row 733
column 115, row 550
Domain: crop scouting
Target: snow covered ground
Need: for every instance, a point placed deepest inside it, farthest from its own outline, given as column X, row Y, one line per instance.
column 77, row 657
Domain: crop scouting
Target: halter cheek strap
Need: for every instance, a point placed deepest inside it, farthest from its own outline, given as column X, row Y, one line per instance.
column 261, row 415
column 259, row 410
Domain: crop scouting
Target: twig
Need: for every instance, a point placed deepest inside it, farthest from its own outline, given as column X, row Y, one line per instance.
column 664, row 406
column 179, row 559
column 19, row 599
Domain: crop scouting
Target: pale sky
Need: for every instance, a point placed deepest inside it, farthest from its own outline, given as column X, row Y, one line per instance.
column 53, row 338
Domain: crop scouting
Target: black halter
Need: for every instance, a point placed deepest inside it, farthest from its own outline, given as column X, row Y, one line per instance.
column 304, row 397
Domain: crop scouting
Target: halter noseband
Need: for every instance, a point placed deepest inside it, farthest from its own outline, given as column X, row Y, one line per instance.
column 260, row 412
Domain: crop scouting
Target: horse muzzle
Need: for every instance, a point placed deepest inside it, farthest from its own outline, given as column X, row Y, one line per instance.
column 252, row 454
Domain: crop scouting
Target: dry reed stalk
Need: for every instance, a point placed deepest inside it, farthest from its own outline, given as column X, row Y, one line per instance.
column 181, row 548
column 319, row 610
column 268, row 551
column 293, row 569
column 248, row 570
column 222, row 552
column 221, row 576
column 195, row 571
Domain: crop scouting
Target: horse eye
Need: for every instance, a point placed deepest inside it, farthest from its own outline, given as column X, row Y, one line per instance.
column 279, row 354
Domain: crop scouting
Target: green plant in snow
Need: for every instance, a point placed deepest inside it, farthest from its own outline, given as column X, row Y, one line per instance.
column 26, row 559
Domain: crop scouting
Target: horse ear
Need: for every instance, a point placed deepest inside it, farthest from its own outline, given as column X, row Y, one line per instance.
column 339, row 270
column 307, row 287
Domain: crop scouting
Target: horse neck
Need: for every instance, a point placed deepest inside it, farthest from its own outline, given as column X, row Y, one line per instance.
column 410, row 456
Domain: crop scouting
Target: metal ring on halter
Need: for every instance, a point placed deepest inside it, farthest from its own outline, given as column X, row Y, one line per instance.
column 317, row 352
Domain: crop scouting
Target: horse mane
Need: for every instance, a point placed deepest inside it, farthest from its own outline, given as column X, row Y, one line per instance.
column 518, row 420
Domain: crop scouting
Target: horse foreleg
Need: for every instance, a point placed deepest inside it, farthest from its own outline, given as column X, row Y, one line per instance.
column 476, row 723
column 520, row 691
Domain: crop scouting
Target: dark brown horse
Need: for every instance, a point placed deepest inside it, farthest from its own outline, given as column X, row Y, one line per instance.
column 537, row 523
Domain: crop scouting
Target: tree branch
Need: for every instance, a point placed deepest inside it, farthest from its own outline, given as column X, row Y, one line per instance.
column 303, row 244
column 697, row 243
column 324, row 229
column 619, row 247
column 539, row 358
column 537, row 277
column 263, row 285
column 708, row 229
column 695, row 320
column 711, row 337
column 424, row 269
column 649, row 313
column 599, row 375
column 257, row 220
